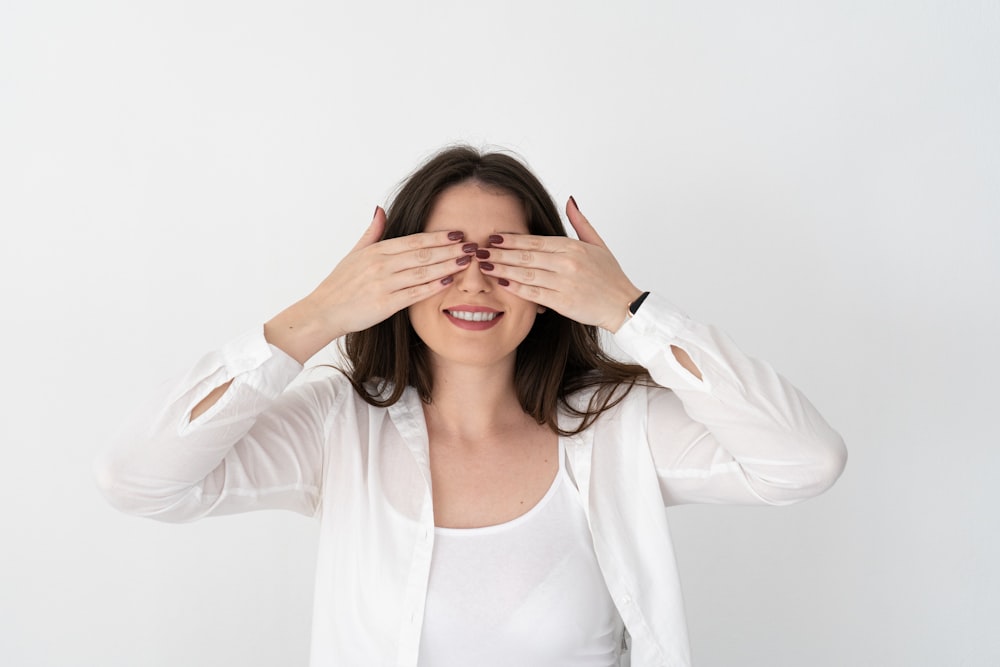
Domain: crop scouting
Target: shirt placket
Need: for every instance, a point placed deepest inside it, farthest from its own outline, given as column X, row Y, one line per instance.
column 408, row 416
column 416, row 589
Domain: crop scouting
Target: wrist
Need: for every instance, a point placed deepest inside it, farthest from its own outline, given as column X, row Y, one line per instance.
column 628, row 304
column 633, row 306
column 300, row 331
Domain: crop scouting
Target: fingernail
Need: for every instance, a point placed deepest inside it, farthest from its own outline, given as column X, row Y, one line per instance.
column 575, row 205
column 483, row 254
column 485, row 266
column 503, row 282
column 455, row 236
column 463, row 260
column 495, row 239
column 470, row 247
column 447, row 280
column 375, row 214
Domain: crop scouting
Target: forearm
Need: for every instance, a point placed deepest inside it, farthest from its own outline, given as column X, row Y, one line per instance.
column 167, row 460
column 302, row 330
column 684, row 360
column 206, row 403
column 765, row 442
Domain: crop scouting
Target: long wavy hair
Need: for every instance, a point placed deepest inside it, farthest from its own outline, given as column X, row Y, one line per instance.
column 558, row 358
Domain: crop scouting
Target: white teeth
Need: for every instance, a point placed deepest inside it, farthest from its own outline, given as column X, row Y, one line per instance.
column 472, row 317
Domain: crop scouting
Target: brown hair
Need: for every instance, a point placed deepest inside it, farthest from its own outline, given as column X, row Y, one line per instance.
column 557, row 358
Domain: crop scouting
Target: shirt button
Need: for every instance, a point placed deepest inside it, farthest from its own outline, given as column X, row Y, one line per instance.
column 627, row 599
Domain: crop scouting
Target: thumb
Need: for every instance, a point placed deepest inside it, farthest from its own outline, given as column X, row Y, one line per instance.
column 374, row 231
column 584, row 230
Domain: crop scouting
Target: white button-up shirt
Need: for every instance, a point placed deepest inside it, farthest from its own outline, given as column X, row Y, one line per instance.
column 741, row 434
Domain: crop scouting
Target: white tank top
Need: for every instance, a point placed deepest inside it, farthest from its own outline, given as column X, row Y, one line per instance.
column 527, row 592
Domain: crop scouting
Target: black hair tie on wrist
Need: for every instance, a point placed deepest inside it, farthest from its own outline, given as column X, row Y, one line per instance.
column 633, row 307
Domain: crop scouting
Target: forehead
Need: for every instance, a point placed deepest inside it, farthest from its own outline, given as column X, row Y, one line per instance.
column 471, row 208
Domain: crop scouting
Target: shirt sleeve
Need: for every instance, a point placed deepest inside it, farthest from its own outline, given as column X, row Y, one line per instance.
column 742, row 434
column 257, row 447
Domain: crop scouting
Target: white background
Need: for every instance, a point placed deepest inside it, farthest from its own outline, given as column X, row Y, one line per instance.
column 819, row 179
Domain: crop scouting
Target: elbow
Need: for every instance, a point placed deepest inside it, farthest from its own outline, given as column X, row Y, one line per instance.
column 835, row 461
column 824, row 466
column 118, row 486
column 813, row 471
column 109, row 478
column 130, row 493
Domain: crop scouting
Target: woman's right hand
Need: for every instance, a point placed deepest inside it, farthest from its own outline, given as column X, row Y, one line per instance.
column 375, row 280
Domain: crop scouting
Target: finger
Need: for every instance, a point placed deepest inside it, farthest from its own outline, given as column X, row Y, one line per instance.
column 374, row 231
column 411, row 293
column 429, row 255
column 534, row 293
column 548, row 261
column 420, row 240
column 529, row 242
column 525, row 275
column 584, row 230
column 418, row 275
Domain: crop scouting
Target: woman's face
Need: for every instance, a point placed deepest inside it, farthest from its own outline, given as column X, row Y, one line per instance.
column 474, row 321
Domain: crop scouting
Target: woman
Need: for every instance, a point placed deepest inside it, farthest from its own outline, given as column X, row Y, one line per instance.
column 489, row 484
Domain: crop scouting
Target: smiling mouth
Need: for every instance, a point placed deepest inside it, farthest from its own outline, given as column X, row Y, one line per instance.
column 469, row 316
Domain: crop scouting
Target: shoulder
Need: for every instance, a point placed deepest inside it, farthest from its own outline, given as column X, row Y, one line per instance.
column 627, row 404
column 326, row 400
column 329, row 390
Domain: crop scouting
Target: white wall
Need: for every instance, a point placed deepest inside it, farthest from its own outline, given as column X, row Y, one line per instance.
column 819, row 179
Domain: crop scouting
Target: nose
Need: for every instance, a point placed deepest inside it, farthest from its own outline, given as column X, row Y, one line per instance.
column 473, row 280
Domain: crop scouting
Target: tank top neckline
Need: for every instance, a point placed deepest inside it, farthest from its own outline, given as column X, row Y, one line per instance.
column 518, row 520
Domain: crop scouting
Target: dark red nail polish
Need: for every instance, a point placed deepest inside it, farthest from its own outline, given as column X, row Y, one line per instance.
column 463, row 260
column 483, row 254
column 503, row 282
column 495, row 239
column 455, row 236
column 470, row 247
column 447, row 280
column 575, row 205
column 485, row 266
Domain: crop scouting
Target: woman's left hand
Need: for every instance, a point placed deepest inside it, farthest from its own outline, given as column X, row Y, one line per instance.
column 580, row 279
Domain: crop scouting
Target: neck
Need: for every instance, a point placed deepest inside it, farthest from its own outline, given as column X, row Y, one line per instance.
column 474, row 401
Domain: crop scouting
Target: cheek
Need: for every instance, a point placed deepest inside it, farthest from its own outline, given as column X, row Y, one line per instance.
column 417, row 317
column 526, row 318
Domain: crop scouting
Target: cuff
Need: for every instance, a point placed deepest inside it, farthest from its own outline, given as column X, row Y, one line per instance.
column 256, row 367
column 251, row 352
column 646, row 337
